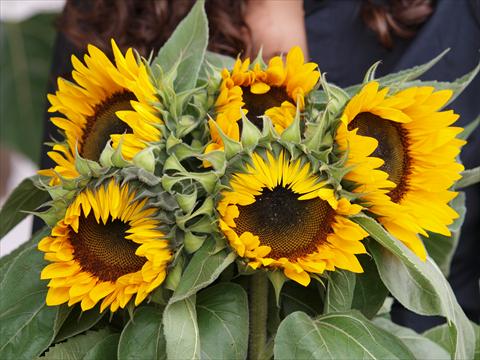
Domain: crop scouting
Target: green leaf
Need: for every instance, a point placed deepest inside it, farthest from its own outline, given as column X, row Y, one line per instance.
column 295, row 297
column 91, row 345
column 28, row 326
column 181, row 330
column 219, row 61
column 340, row 289
column 25, row 197
column 457, row 86
column 440, row 247
column 440, row 335
column 222, row 312
column 468, row 130
column 203, row 269
column 185, row 49
column 104, row 349
column 78, row 322
column 142, row 338
column 347, row 335
column 419, row 286
column 370, row 293
column 26, row 49
column 370, row 74
column 469, row 177
column 421, row 346
column 401, row 76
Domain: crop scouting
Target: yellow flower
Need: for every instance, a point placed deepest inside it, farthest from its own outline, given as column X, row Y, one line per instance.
column 279, row 215
column 108, row 246
column 403, row 150
column 275, row 92
column 106, row 102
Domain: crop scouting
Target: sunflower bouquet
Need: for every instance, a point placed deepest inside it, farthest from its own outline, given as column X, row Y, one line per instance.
column 207, row 207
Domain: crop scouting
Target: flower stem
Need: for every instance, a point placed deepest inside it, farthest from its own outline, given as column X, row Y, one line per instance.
column 258, row 298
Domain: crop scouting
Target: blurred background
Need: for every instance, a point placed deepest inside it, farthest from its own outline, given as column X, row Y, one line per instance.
column 27, row 34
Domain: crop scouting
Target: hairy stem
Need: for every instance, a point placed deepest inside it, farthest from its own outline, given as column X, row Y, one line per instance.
column 258, row 301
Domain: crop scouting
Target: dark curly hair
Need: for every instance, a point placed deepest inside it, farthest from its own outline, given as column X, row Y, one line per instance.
column 147, row 24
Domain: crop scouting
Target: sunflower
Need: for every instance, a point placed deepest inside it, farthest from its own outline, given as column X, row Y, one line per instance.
column 410, row 149
column 108, row 246
column 274, row 91
column 277, row 214
column 106, row 102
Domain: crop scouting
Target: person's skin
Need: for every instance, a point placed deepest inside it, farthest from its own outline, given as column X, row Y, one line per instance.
column 277, row 26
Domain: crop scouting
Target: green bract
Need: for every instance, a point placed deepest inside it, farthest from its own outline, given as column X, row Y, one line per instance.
column 212, row 304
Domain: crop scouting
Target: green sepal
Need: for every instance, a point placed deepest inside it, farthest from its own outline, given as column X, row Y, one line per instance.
column 269, row 133
column 337, row 97
column 192, row 242
column 370, row 74
column 216, row 159
column 205, row 209
column 187, row 201
column 174, row 274
column 106, row 155
column 250, row 133
column 259, row 59
column 53, row 215
column 292, row 134
column 277, row 279
column 117, row 157
column 133, row 173
column 315, row 134
column 145, row 159
column 231, row 147
column 87, row 168
column 172, row 163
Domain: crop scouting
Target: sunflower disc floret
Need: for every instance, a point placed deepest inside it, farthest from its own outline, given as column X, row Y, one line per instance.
column 107, row 101
column 403, row 152
column 275, row 91
column 108, row 248
column 277, row 214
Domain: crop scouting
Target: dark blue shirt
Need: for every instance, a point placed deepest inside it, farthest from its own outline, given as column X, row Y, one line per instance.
column 345, row 48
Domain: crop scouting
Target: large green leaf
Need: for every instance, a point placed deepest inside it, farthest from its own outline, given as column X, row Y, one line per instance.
column 100, row 344
column 441, row 335
column 295, row 297
column 398, row 77
column 457, row 86
column 143, row 338
column 79, row 321
column 370, row 293
column 25, row 53
column 421, row 346
column 203, row 269
column 181, row 330
column 347, row 335
column 28, row 326
column 222, row 312
column 469, row 177
column 340, row 289
column 440, row 247
column 469, row 128
column 419, row 286
column 186, row 48
column 25, row 197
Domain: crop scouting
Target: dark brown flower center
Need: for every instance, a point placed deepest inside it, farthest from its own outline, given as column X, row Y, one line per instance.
column 291, row 227
column 257, row 104
column 104, row 123
column 102, row 250
column 392, row 148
